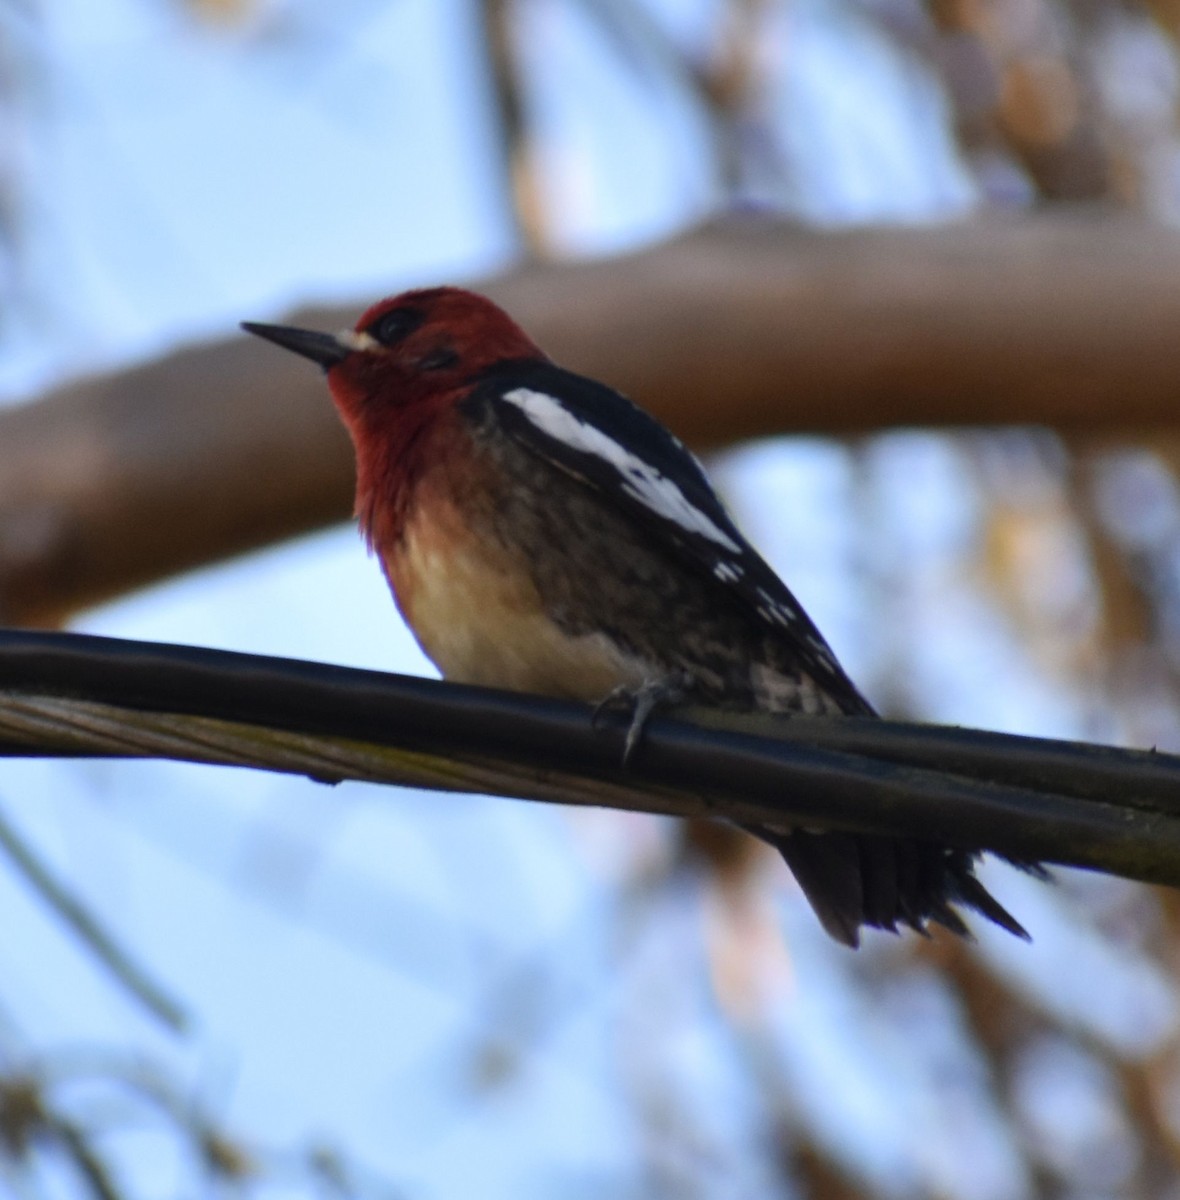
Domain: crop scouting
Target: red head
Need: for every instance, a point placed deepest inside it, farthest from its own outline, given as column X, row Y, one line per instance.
column 396, row 378
column 419, row 347
column 407, row 350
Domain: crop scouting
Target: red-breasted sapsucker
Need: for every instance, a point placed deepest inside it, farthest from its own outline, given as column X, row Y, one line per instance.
column 542, row 533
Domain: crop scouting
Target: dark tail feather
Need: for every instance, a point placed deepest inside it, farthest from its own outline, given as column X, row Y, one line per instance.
column 855, row 879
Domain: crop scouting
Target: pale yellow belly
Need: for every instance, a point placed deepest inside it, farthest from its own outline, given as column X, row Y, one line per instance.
column 479, row 621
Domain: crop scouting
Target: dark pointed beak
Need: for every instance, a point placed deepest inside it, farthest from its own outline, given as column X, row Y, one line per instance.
column 323, row 348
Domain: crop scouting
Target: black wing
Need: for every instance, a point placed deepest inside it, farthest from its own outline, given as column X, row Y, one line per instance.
column 599, row 437
column 631, row 462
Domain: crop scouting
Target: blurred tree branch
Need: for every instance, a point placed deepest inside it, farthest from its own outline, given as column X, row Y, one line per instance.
column 518, row 151
column 743, row 328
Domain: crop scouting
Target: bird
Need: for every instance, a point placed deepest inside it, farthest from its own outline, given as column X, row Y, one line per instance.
column 540, row 532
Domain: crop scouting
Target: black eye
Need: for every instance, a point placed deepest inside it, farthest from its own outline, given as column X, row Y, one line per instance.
column 439, row 359
column 394, row 325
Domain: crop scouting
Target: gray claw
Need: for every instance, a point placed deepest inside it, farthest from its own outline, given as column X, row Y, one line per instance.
column 643, row 701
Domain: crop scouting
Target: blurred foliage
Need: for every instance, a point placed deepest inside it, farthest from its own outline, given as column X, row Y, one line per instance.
column 1075, row 547
column 83, row 1117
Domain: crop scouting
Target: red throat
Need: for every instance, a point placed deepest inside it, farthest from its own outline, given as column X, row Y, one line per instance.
column 447, row 339
column 398, row 395
column 394, row 450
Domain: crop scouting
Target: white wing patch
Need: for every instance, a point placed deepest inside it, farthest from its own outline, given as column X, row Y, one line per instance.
column 777, row 613
column 772, row 610
column 640, row 479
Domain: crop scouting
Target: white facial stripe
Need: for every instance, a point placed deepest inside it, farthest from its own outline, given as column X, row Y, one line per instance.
column 640, row 479
column 357, row 341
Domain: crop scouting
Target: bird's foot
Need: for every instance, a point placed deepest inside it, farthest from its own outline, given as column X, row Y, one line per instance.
column 642, row 702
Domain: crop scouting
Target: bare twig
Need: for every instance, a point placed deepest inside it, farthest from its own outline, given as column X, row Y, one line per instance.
column 78, row 1148
column 522, row 182
column 39, row 1126
column 643, row 44
column 86, row 927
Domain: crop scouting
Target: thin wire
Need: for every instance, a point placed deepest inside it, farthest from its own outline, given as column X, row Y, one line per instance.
column 1026, row 798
